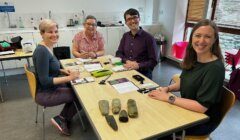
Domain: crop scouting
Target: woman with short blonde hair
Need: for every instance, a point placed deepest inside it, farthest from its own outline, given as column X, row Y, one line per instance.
column 52, row 89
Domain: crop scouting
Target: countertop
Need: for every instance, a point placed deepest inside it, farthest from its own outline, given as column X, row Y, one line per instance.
column 31, row 30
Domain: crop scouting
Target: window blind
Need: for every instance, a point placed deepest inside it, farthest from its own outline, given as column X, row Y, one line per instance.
column 196, row 10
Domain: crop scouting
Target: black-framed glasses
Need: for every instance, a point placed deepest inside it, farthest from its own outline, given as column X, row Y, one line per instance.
column 132, row 18
column 91, row 24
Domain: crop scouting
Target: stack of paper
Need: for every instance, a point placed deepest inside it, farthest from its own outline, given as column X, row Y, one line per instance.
column 84, row 60
column 118, row 68
column 92, row 66
column 123, row 85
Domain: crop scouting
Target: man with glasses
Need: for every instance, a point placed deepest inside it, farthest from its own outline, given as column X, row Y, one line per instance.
column 137, row 48
column 88, row 43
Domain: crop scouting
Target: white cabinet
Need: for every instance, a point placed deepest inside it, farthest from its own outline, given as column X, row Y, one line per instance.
column 65, row 39
column 37, row 38
column 4, row 37
column 152, row 29
column 103, row 31
column 114, row 35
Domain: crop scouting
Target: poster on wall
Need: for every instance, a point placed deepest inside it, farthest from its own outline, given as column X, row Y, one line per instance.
column 7, row 7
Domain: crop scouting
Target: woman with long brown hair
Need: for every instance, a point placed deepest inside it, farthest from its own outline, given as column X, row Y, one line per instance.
column 201, row 79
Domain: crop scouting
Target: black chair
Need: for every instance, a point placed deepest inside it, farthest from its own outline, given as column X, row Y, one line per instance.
column 62, row 52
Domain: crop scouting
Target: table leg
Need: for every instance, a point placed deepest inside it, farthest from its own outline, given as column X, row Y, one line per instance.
column 1, row 94
column 174, row 136
column 4, row 74
column 183, row 134
column 28, row 62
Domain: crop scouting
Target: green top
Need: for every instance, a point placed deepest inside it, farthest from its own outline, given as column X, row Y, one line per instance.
column 203, row 84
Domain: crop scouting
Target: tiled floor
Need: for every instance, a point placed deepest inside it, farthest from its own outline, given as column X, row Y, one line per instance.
column 17, row 113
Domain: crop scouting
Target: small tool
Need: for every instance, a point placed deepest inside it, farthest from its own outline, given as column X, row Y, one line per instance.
column 103, row 82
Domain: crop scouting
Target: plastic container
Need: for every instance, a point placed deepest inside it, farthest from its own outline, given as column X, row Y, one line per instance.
column 179, row 49
column 20, row 23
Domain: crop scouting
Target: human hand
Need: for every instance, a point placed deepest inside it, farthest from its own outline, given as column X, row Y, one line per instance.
column 159, row 95
column 74, row 74
column 65, row 71
column 164, row 89
column 132, row 65
column 92, row 54
column 84, row 55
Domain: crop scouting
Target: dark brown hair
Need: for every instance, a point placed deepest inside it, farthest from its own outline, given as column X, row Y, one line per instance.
column 131, row 12
column 90, row 17
column 191, row 57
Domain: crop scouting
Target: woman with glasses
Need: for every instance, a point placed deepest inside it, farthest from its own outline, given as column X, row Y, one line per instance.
column 201, row 79
column 88, row 43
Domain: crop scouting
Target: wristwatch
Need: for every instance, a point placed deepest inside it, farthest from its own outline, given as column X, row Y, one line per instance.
column 171, row 99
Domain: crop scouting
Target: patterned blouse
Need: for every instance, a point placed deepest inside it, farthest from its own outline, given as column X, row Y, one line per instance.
column 83, row 44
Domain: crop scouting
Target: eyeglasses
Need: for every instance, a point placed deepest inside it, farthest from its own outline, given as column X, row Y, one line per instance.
column 132, row 18
column 91, row 24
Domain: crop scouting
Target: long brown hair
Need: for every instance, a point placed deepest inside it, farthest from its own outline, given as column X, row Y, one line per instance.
column 191, row 57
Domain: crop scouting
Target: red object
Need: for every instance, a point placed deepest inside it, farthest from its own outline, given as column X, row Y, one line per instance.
column 179, row 49
column 232, row 57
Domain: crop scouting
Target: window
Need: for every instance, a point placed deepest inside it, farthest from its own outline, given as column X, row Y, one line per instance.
column 225, row 13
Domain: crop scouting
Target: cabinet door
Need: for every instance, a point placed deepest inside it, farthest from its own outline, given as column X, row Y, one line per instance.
column 103, row 31
column 4, row 37
column 37, row 38
column 65, row 39
column 114, row 35
column 152, row 29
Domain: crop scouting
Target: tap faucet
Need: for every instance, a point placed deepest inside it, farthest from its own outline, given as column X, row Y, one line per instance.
column 50, row 14
column 83, row 15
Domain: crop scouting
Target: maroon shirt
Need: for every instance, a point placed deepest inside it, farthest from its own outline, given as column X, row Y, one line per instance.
column 140, row 48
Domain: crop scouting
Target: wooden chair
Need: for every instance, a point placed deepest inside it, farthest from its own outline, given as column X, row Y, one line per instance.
column 227, row 101
column 175, row 78
column 33, row 90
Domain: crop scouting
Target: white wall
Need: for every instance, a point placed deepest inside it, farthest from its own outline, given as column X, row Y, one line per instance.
column 167, row 18
column 179, row 23
column 62, row 10
column 172, row 14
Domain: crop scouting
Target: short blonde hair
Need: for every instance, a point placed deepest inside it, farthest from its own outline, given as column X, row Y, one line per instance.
column 46, row 24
